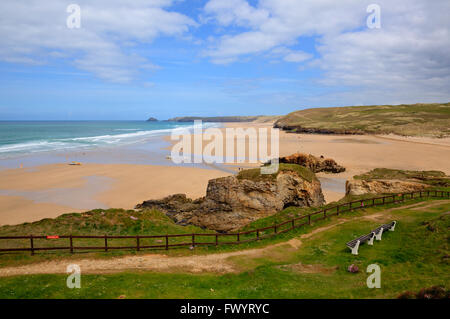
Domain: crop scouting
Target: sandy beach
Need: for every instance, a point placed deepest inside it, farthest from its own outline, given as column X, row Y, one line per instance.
column 51, row 190
column 46, row 191
column 357, row 153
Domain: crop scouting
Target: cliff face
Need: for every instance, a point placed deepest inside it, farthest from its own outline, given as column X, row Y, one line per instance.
column 231, row 203
column 359, row 187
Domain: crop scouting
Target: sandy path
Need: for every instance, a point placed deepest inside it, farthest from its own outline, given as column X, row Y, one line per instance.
column 213, row 263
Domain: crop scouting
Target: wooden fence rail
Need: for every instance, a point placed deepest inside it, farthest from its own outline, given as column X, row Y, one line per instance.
column 191, row 238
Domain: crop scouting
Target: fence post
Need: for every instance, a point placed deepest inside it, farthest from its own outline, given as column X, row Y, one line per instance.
column 238, row 237
column 71, row 244
column 325, row 213
column 257, row 234
column 309, row 219
column 137, row 243
column 167, row 242
column 293, row 224
column 106, row 243
column 193, row 240
column 275, row 228
column 217, row 239
column 32, row 244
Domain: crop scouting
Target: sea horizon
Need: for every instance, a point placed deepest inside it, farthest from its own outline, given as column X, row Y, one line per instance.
column 30, row 137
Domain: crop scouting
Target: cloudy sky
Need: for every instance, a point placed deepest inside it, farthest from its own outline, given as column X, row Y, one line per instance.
column 163, row 58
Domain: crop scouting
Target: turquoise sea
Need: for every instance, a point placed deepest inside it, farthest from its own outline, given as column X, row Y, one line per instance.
column 32, row 137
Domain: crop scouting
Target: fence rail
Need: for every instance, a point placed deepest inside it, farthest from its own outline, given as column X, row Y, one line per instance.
column 191, row 238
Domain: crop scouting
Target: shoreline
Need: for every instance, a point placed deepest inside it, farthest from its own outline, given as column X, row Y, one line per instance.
column 118, row 186
column 127, row 175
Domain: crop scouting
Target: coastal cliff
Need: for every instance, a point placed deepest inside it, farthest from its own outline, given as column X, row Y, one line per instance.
column 419, row 119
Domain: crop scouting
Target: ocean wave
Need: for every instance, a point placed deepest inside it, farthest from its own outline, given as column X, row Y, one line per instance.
column 34, row 146
column 92, row 141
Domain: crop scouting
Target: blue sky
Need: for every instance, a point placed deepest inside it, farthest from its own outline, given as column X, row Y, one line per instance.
column 166, row 58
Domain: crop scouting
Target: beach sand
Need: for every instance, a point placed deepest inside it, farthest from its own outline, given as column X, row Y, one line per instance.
column 47, row 191
column 357, row 153
column 117, row 186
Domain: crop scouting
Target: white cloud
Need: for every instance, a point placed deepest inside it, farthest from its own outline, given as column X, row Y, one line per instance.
column 277, row 23
column 34, row 31
column 297, row 56
column 406, row 60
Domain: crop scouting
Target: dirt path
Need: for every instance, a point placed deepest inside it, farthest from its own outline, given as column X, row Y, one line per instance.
column 415, row 206
column 213, row 263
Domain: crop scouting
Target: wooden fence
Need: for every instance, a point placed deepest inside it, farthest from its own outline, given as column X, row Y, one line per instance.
column 241, row 237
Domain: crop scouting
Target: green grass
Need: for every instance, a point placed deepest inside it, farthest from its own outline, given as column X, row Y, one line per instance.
column 254, row 174
column 407, row 120
column 95, row 222
column 413, row 257
column 149, row 222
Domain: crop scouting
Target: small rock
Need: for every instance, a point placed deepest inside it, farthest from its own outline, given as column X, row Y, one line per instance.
column 353, row 268
column 133, row 218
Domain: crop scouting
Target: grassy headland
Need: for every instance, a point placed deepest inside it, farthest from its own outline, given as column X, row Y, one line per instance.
column 229, row 119
column 431, row 120
column 433, row 178
column 413, row 257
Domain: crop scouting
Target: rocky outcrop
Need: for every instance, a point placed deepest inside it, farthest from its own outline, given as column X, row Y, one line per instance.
column 231, row 203
column 380, row 186
column 152, row 119
column 312, row 130
column 315, row 164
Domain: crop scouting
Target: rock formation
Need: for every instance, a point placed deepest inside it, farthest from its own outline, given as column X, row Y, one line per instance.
column 359, row 187
column 313, row 163
column 232, row 202
column 384, row 180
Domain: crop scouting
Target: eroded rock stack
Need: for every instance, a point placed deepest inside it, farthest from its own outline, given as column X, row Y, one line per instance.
column 315, row 164
column 232, row 202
